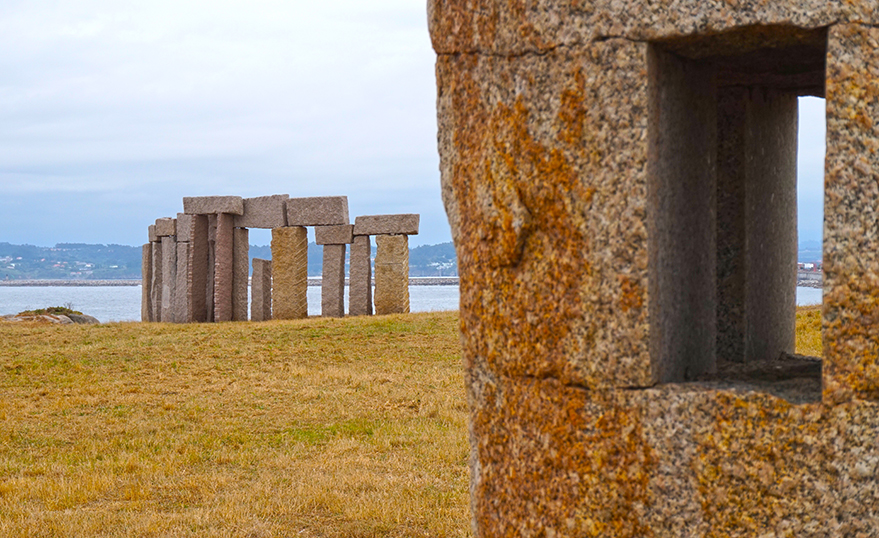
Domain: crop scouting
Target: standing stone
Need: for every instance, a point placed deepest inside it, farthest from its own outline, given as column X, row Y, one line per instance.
column 240, row 270
column 156, row 273
column 197, row 272
column 212, row 262
column 289, row 273
column 360, row 278
column 223, row 268
column 169, row 277
column 392, row 274
column 332, row 290
column 261, row 290
column 146, row 266
column 182, row 292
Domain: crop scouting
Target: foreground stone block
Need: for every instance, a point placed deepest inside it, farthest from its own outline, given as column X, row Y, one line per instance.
column 169, row 278
column 182, row 293
column 240, row 273
column 317, row 211
column 360, row 278
column 200, row 271
column 261, row 290
column 386, row 225
column 332, row 288
column 334, row 235
column 289, row 273
column 392, row 274
column 223, row 268
column 146, row 266
column 264, row 212
column 166, row 227
column 205, row 205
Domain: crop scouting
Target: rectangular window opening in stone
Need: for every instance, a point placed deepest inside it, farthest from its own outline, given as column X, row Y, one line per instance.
column 722, row 203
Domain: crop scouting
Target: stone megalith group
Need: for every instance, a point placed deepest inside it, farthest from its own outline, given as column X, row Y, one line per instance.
column 620, row 180
column 196, row 266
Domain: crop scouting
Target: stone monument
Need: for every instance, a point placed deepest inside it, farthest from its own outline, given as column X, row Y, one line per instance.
column 620, row 183
column 391, row 264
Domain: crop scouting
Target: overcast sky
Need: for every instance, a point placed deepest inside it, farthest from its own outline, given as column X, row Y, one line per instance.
column 113, row 111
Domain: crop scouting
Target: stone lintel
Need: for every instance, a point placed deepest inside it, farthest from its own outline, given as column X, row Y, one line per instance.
column 166, row 227
column 342, row 234
column 264, row 212
column 152, row 233
column 184, row 227
column 317, row 211
column 207, row 205
column 404, row 224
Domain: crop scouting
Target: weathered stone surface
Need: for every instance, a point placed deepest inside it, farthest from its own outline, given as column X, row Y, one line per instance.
column 146, row 270
column 851, row 234
column 317, row 211
column 392, row 274
column 332, row 288
column 152, row 233
column 200, row 271
column 406, row 224
column 212, row 267
column 157, row 274
column 261, row 290
column 334, row 235
column 169, row 278
column 264, row 212
column 184, row 227
column 223, row 268
column 166, row 227
column 240, row 272
column 182, row 293
column 206, row 205
column 289, row 273
column 360, row 278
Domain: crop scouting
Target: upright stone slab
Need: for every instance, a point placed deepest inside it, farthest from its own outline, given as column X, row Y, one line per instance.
column 264, row 212
column 199, row 271
column 211, row 276
column 156, row 287
column 146, row 266
column 289, row 273
column 332, row 288
column 169, row 278
column 182, row 293
column 392, row 274
column 240, row 272
column 360, row 278
column 261, row 290
column 317, row 211
column 223, row 268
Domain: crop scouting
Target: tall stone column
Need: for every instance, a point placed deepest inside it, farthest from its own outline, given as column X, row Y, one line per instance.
column 183, row 292
column 360, row 278
column 289, row 272
column 169, row 278
column 223, row 268
column 198, row 270
column 156, row 275
column 392, row 274
column 240, row 271
column 261, row 290
column 146, row 266
column 334, row 240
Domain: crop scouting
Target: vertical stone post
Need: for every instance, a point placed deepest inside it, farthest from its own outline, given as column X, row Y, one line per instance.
column 240, row 271
column 223, row 268
column 261, row 290
column 360, row 278
column 392, row 274
column 198, row 270
column 183, row 291
column 169, row 278
column 289, row 272
column 156, row 274
column 146, row 266
column 334, row 240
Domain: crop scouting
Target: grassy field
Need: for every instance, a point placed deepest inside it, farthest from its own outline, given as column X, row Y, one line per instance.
column 352, row 428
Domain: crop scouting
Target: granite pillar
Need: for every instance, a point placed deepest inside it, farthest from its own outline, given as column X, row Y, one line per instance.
column 332, row 290
column 392, row 274
column 169, row 277
column 198, row 270
column 360, row 277
column 223, row 267
column 210, row 276
column 182, row 291
column 289, row 272
column 146, row 266
column 240, row 271
column 157, row 275
column 261, row 290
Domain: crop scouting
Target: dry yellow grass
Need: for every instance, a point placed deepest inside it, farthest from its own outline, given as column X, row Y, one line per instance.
column 351, row 427
column 354, row 428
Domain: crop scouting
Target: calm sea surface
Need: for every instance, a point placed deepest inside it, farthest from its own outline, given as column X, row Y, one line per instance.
column 122, row 303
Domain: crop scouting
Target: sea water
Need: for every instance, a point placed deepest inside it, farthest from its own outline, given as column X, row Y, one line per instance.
column 122, row 303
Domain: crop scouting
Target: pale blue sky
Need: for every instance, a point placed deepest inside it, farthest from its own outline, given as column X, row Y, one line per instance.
column 113, row 111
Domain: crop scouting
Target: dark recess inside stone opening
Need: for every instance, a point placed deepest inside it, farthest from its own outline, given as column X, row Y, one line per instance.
column 722, row 204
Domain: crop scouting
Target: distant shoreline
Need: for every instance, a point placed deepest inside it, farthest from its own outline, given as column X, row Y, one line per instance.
column 312, row 281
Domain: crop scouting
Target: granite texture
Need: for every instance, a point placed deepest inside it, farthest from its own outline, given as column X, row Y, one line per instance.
column 289, row 272
column 166, row 227
column 199, row 271
column 332, row 287
column 182, row 293
column 360, row 277
column 334, row 235
column 405, row 224
column 392, row 274
column 264, row 212
column 261, row 290
column 317, row 211
column 240, row 273
column 851, row 227
column 153, row 238
column 184, row 227
column 156, row 282
column 224, row 268
column 207, row 205
column 169, row 278
column 146, row 270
